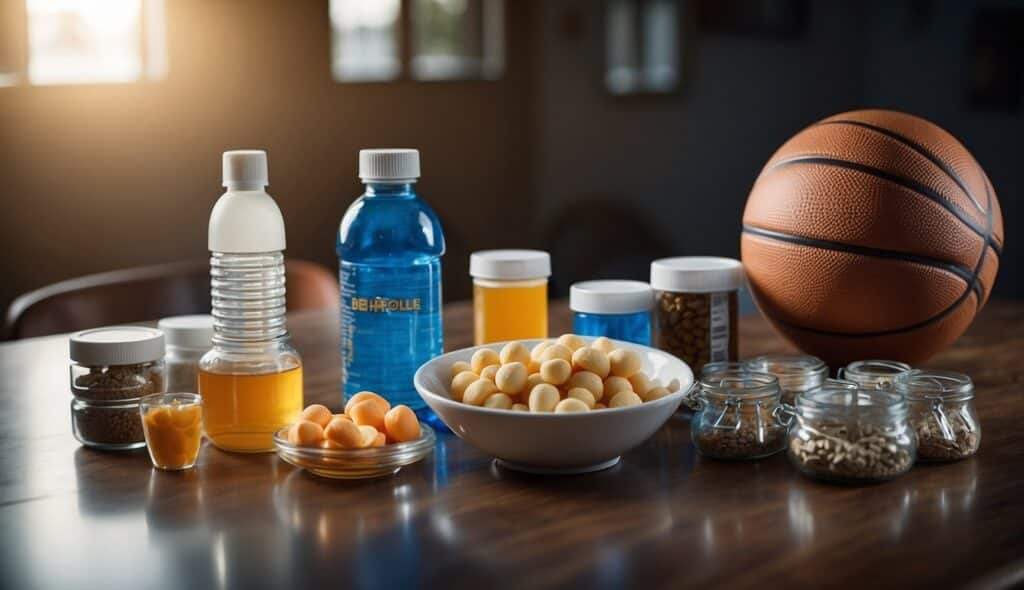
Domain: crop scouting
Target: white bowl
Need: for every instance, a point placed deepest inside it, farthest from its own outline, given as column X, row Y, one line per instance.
column 554, row 443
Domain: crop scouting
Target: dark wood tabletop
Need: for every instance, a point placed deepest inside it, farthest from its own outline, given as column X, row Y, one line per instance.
column 71, row 517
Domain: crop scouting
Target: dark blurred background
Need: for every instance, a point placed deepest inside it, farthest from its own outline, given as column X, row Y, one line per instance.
column 609, row 132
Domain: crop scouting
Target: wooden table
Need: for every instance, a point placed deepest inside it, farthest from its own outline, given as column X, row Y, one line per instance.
column 76, row 518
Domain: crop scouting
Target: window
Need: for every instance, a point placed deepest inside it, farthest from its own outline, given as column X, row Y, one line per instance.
column 417, row 39
column 84, row 42
column 642, row 50
column 364, row 40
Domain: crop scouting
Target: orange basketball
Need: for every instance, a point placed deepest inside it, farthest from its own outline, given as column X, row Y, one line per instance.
column 872, row 234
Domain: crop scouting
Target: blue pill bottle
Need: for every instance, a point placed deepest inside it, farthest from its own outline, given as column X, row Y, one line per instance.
column 390, row 245
column 620, row 310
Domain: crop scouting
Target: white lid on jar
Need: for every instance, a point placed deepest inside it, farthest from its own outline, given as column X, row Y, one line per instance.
column 697, row 274
column 117, row 345
column 389, row 165
column 188, row 331
column 510, row 265
column 611, row 296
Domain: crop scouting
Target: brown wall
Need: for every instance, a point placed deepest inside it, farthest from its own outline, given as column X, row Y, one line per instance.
column 99, row 177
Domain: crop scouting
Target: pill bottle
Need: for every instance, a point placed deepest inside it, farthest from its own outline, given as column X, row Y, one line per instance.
column 389, row 248
column 873, row 374
column 797, row 373
column 188, row 338
column 942, row 413
column 251, row 380
column 695, row 308
column 510, row 294
column 737, row 415
column 851, row 435
column 111, row 369
column 620, row 310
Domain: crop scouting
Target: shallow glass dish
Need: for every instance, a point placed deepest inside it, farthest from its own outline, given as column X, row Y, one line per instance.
column 355, row 463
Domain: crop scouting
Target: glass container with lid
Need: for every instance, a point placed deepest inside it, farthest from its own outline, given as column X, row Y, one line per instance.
column 797, row 373
column 111, row 369
column 620, row 310
column 189, row 337
column 738, row 415
column 695, row 308
column 851, row 435
column 874, row 374
column 942, row 413
column 510, row 295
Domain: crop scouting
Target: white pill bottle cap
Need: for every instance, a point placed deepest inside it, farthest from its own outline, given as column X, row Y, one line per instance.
column 246, row 220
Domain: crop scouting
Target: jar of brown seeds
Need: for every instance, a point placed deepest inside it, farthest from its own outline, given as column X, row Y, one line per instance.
column 111, row 369
column 851, row 435
column 695, row 309
column 942, row 413
column 738, row 415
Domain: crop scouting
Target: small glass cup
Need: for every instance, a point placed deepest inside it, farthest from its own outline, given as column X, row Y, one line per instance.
column 173, row 423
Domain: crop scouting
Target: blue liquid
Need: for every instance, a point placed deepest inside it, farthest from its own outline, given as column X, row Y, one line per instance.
column 631, row 327
column 389, row 251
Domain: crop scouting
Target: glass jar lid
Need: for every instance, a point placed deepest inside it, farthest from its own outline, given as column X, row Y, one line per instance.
column 117, row 345
column 841, row 399
column 740, row 384
column 188, row 331
column 510, row 265
column 697, row 274
column 873, row 371
column 796, row 372
column 602, row 297
column 921, row 384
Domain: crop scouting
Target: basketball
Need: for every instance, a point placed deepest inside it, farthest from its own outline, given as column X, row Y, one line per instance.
column 872, row 234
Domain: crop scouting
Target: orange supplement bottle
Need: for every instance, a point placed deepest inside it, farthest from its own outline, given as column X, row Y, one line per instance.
column 251, row 382
column 510, row 294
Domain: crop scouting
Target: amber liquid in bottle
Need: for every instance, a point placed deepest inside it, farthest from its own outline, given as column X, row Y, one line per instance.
column 514, row 310
column 242, row 412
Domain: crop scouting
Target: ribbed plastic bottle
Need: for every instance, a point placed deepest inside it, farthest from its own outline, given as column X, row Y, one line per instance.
column 390, row 245
column 251, row 381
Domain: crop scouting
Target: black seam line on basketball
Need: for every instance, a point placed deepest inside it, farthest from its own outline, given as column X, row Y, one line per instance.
column 955, row 269
column 916, row 326
column 996, row 247
column 934, row 159
column 904, row 182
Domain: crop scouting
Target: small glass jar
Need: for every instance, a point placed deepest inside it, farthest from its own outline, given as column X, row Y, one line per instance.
column 111, row 369
column 873, row 374
column 173, row 424
column 851, row 435
column 942, row 414
column 189, row 337
column 695, row 308
column 737, row 415
column 510, row 295
column 620, row 310
column 797, row 373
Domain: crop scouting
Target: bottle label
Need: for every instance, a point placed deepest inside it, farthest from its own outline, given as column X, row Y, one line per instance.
column 719, row 328
column 390, row 325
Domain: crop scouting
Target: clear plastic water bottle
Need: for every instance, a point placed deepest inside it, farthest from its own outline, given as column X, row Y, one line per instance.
column 390, row 245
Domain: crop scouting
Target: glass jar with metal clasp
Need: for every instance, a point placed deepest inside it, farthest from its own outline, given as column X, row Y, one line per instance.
column 851, row 435
column 737, row 414
column 797, row 373
column 873, row 374
column 942, row 413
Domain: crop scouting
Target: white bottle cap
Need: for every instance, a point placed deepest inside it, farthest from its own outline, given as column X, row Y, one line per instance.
column 697, row 274
column 510, row 265
column 246, row 220
column 245, row 170
column 389, row 165
column 117, row 345
column 188, row 331
column 610, row 297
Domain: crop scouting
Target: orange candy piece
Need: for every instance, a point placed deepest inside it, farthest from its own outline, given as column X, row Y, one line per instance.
column 401, row 424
